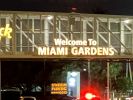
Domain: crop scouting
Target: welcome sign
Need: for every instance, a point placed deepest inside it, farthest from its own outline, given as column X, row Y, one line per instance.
column 75, row 47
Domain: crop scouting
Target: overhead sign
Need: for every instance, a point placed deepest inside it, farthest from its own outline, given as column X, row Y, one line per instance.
column 58, row 88
column 6, row 31
column 75, row 47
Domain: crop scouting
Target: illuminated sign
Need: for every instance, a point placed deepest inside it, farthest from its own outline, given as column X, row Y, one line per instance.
column 75, row 47
column 5, row 31
column 58, row 88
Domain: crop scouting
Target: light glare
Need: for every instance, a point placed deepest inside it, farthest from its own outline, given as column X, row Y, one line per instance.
column 74, row 74
column 72, row 82
column 50, row 17
column 89, row 96
column 127, row 21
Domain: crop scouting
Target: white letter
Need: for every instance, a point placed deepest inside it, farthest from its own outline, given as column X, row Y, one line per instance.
column 105, row 51
column 93, row 51
column 81, row 51
column 111, row 51
column 41, row 51
column 52, row 51
column 62, row 51
column 57, row 41
column 74, row 51
column 90, row 40
column 85, row 42
column 87, row 51
column 99, row 51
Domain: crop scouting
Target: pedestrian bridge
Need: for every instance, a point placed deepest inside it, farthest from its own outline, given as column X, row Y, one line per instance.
column 22, row 33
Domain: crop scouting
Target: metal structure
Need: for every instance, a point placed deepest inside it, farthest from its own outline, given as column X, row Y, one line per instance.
column 33, row 29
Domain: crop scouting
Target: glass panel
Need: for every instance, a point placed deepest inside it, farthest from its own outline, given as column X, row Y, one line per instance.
column 115, row 27
column 128, row 39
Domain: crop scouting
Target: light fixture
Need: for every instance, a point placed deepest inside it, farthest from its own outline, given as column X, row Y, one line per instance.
column 84, row 69
column 50, row 17
column 127, row 21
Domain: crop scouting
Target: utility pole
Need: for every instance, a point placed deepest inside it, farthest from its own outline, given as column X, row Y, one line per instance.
column 89, row 74
column 108, row 78
column 129, row 70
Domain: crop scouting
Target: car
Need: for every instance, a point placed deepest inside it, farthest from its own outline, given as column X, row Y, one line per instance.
column 14, row 94
column 27, row 98
column 64, row 97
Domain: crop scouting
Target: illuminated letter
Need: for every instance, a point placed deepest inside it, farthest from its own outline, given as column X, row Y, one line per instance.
column 7, row 31
column 62, row 51
column 52, row 51
column 85, row 42
column 111, row 51
column 93, row 51
column 74, row 51
column 41, row 51
column 92, row 42
column 99, row 51
column 81, row 51
column 57, row 41
column 105, row 51
column 87, row 51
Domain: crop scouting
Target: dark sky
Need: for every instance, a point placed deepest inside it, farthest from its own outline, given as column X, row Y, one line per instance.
column 117, row 7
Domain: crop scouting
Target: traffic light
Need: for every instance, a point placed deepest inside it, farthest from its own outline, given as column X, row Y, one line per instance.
column 89, row 96
column 89, row 93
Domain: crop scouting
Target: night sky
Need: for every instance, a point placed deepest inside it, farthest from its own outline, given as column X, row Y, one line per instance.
column 115, row 7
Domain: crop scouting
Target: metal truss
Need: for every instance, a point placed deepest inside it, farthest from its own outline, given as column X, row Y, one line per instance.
column 34, row 29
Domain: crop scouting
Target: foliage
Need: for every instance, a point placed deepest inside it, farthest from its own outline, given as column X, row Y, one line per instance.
column 59, row 75
column 123, row 85
column 98, row 73
column 115, row 69
column 119, row 82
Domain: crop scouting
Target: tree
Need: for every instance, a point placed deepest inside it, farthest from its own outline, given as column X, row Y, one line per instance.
column 98, row 74
column 123, row 85
column 60, row 74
